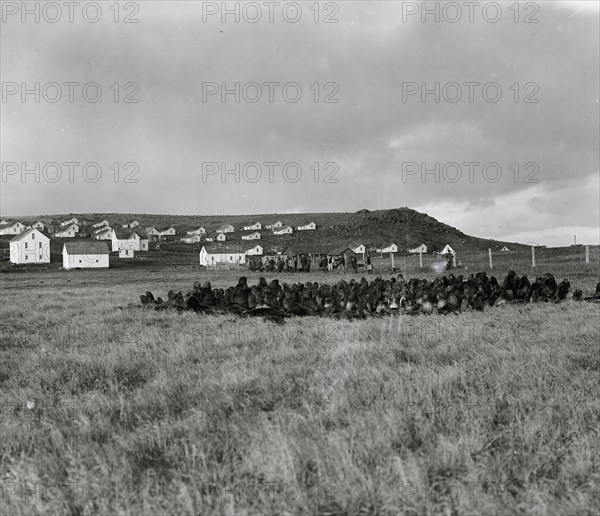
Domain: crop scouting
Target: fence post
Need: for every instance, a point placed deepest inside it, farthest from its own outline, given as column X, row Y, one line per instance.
column 490, row 255
column 587, row 254
column 532, row 256
column 421, row 258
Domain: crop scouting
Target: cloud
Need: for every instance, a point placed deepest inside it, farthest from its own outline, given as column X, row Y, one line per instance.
column 371, row 57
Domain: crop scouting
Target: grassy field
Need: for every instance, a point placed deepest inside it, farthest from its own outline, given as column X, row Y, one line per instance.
column 108, row 411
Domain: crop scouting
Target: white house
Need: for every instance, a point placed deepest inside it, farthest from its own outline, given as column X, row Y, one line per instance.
column 358, row 247
column 254, row 226
column 226, row 228
column 103, row 222
column 39, row 225
column 13, row 228
column 72, row 220
column 131, row 224
column 126, row 242
column 153, row 233
column 170, row 231
column 283, row 230
column 191, row 239
column 388, row 248
column 221, row 237
column 30, row 246
column 103, row 233
column 251, row 236
column 447, row 249
column 85, row 255
column 422, row 248
column 209, row 239
column 505, row 249
column 69, row 231
column 221, row 254
column 277, row 224
column 311, row 226
column 255, row 250
column 199, row 231
column 4, row 221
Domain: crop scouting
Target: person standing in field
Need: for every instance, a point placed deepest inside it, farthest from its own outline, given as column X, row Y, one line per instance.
column 341, row 264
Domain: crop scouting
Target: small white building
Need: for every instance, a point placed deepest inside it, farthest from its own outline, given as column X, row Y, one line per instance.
column 253, row 227
column 212, row 255
column 30, row 246
column 200, row 231
column 226, row 228
column 4, row 221
column 447, row 249
column 311, row 226
column 358, row 247
column 103, row 222
column 255, row 250
column 421, row 248
column 103, row 233
column 153, row 233
column 12, row 228
column 131, row 224
column 277, row 224
column 209, row 239
column 505, row 249
column 221, row 237
column 39, row 225
column 388, row 248
column 283, row 230
column 72, row 220
column 85, row 255
column 128, row 241
column 170, row 231
column 251, row 236
column 191, row 239
column 69, row 231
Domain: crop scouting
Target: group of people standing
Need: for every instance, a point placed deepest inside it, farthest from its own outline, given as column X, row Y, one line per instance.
column 302, row 263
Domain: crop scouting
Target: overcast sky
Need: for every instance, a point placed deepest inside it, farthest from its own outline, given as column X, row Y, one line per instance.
column 372, row 147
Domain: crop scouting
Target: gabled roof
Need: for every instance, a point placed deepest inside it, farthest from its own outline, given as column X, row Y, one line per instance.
column 355, row 244
column 125, row 233
column 223, row 248
column 282, row 228
column 9, row 225
column 225, row 226
column 25, row 233
column 390, row 244
column 66, row 227
column 86, row 248
column 248, row 247
column 340, row 250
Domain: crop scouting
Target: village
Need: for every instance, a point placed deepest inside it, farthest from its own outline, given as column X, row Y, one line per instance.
column 98, row 244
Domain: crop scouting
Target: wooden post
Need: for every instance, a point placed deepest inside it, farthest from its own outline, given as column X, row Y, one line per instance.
column 532, row 256
column 587, row 254
column 421, row 258
column 490, row 255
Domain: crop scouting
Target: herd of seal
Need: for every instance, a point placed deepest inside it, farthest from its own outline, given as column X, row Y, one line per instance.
column 359, row 299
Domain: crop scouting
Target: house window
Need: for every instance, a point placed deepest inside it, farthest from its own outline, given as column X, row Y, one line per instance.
column 26, row 257
column 32, row 236
column 97, row 261
column 40, row 256
column 25, row 245
column 40, row 245
column 79, row 261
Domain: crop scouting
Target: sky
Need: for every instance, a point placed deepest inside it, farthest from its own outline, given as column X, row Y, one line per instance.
column 484, row 116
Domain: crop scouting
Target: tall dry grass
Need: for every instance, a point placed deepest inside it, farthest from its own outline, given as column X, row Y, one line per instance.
column 108, row 411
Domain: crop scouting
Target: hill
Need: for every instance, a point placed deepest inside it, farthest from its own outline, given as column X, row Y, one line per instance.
column 404, row 226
